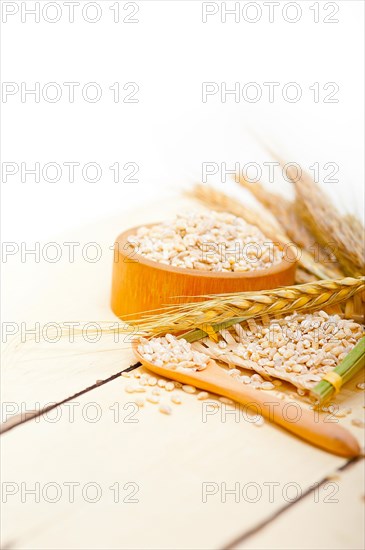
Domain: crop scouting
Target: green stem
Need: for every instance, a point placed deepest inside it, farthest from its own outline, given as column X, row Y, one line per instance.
column 197, row 334
column 349, row 366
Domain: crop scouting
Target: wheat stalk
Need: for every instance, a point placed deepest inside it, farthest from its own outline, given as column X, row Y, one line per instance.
column 282, row 209
column 220, row 201
column 290, row 220
column 223, row 310
column 344, row 235
column 303, row 276
column 356, row 226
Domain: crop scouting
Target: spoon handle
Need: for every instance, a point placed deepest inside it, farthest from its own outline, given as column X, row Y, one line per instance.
column 313, row 426
column 310, row 425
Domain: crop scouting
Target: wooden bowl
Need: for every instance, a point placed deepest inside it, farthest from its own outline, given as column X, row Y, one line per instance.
column 140, row 284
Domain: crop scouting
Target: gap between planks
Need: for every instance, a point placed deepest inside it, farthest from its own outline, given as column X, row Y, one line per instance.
column 251, row 532
column 20, row 419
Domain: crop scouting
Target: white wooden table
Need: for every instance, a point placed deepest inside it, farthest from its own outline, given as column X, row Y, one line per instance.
column 104, row 476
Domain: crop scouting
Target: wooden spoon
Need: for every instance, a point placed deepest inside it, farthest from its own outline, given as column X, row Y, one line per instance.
column 307, row 424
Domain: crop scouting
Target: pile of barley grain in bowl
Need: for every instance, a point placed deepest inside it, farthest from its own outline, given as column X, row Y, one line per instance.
column 216, row 241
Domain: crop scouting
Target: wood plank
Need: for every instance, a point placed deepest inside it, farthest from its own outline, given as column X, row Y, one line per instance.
column 331, row 516
column 35, row 374
column 169, row 457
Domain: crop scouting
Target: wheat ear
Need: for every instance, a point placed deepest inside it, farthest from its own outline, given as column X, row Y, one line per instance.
column 290, row 220
column 223, row 310
column 344, row 235
column 220, row 201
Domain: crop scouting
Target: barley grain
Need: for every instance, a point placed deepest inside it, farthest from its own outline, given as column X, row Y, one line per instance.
column 209, row 242
column 165, row 409
column 153, row 399
column 174, row 353
column 340, row 413
column 358, row 423
column 188, row 389
column 202, row 395
column 267, row 386
column 259, row 421
column 299, row 349
column 176, row 399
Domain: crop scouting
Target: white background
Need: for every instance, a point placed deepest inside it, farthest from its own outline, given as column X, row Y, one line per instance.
column 170, row 132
